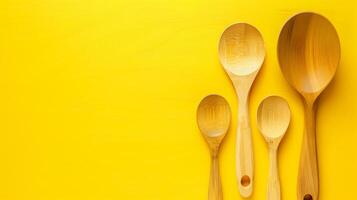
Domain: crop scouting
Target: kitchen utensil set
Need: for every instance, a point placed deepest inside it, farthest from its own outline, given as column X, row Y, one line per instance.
column 309, row 53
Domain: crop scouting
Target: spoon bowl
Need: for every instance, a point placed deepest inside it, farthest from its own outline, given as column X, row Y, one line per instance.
column 241, row 49
column 273, row 117
column 213, row 116
column 213, row 119
column 309, row 54
column 241, row 53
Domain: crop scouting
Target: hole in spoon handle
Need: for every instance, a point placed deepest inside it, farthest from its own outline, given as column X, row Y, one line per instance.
column 308, row 197
column 245, row 186
column 245, row 181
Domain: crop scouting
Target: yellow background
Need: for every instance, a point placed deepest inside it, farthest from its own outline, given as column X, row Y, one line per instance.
column 98, row 99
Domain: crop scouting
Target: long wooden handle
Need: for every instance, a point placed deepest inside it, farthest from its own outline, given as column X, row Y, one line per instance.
column 244, row 151
column 215, row 186
column 273, row 181
column 308, row 181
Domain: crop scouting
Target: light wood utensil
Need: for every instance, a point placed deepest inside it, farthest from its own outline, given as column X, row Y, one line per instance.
column 241, row 52
column 273, row 120
column 213, row 119
column 309, row 53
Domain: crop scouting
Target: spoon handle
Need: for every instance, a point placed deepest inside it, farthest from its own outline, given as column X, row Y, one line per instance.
column 244, row 151
column 308, row 170
column 215, row 186
column 273, row 182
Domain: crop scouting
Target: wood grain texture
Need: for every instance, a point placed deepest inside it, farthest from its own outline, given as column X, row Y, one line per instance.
column 308, row 177
column 215, row 186
column 241, row 52
column 273, row 191
column 273, row 118
column 213, row 119
column 309, row 53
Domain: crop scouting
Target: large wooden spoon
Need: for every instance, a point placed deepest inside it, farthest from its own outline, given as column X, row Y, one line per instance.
column 213, row 119
column 309, row 53
column 241, row 52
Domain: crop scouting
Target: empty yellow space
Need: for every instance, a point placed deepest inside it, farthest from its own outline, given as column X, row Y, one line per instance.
column 98, row 99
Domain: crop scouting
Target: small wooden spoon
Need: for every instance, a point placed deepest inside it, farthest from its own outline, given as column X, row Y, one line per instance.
column 309, row 53
column 241, row 52
column 213, row 119
column 273, row 120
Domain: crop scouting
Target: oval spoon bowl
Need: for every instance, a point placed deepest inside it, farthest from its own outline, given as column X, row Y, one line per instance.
column 213, row 116
column 309, row 52
column 241, row 49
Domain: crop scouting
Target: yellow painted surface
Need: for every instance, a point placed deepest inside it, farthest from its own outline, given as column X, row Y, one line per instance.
column 98, row 99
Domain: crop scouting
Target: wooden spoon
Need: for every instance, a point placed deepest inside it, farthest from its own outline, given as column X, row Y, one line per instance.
column 213, row 119
column 241, row 52
column 309, row 53
column 273, row 120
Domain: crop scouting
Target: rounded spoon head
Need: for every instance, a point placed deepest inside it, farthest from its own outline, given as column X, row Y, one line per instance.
column 241, row 49
column 273, row 117
column 309, row 53
column 213, row 116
